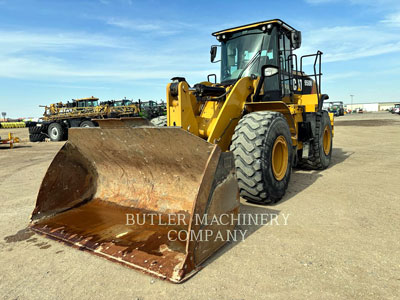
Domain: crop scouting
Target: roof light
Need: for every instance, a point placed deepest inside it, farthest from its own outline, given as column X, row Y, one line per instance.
column 223, row 36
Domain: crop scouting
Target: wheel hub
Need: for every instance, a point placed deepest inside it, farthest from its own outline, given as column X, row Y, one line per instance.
column 280, row 157
column 54, row 132
column 327, row 140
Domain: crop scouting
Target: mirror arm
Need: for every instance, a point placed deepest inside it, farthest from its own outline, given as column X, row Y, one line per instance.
column 261, row 82
column 259, row 85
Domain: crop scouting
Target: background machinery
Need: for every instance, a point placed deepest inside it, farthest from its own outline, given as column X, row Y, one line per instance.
column 58, row 117
column 11, row 140
column 396, row 109
column 336, row 107
column 241, row 135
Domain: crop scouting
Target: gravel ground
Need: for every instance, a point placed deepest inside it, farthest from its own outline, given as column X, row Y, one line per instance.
column 341, row 240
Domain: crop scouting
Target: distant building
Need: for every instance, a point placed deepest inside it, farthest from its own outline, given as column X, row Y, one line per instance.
column 378, row 106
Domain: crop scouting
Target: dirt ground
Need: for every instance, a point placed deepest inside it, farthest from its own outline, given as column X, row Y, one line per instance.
column 342, row 237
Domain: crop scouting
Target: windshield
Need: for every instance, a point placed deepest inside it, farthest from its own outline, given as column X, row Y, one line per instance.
column 242, row 48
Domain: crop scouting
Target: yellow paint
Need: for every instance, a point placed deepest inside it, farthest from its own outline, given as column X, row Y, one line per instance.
column 249, row 26
column 221, row 128
column 280, row 157
column 310, row 102
column 181, row 109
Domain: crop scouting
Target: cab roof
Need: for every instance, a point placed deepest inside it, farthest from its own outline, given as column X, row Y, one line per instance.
column 253, row 25
column 83, row 99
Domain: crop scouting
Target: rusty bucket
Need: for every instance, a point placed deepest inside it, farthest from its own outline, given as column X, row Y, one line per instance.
column 144, row 196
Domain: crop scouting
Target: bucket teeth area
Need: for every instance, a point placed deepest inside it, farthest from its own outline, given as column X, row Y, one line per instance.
column 107, row 229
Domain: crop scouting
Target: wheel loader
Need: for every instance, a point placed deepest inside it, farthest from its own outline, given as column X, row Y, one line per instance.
column 118, row 190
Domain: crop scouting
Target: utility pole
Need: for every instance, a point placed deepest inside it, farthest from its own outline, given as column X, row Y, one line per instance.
column 351, row 96
column 4, row 115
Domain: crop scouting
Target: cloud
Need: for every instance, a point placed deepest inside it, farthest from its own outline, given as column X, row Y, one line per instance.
column 392, row 19
column 374, row 3
column 42, row 68
column 320, row 1
column 342, row 43
column 17, row 41
column 81, row 56
column 152, row 27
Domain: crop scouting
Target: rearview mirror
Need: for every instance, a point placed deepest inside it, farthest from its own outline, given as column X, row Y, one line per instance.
column 213, row 53
column 295, row 38
column 270, row 71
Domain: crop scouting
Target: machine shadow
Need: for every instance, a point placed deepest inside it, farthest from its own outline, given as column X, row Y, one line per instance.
column 339, row 156
column 300, row 180
column 15, row 147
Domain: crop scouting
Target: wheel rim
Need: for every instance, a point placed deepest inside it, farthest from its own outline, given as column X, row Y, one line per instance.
column 280, row 157
column 85, row 125
column 327, row 140
column 54, row 132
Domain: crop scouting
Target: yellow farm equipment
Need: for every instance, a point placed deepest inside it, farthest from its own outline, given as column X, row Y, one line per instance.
column 240, row 136
column 59, row 117
column 12, row 125
column 11, row 140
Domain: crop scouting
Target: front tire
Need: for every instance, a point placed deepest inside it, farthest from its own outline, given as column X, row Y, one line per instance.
column 262, row 147
column 87, row 124
column 56, row 132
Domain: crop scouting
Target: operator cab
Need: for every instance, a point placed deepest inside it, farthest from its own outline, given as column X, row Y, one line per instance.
column 86, row 102
column 263, row 49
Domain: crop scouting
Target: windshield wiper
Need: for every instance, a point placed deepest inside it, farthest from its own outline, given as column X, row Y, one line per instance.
column 255, row 57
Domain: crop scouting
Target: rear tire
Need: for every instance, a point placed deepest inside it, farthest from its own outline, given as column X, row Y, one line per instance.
column 87, row 124
column 37, row 137
column 159, row 121
column 35, row 129
column 56, row 132
column 321, row 147
column 262, row 147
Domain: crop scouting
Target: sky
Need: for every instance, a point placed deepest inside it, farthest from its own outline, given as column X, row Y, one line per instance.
column 53, row 51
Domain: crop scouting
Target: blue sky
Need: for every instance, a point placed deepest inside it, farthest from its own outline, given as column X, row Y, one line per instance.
column 59, row 50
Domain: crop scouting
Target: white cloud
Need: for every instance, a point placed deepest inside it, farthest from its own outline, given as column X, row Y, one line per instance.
column 341, row 43
column 80, row 56
column 15, row 41
column 320, row 1
column 392, row 19
column 375, row 3
column 153, row 27
column 37, row 68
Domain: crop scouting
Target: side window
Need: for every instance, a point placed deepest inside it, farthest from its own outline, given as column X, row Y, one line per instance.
column 270, row 56
column 285, row 63
column 232, row 58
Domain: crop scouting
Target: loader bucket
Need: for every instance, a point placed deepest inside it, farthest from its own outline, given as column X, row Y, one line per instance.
column 140, row 196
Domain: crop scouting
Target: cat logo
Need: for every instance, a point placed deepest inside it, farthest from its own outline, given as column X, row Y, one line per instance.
column 297, row 85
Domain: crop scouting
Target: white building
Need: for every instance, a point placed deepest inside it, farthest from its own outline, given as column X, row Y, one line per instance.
column 371, row 107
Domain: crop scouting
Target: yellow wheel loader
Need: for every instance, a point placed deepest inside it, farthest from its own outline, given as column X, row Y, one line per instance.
column 162, row 199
